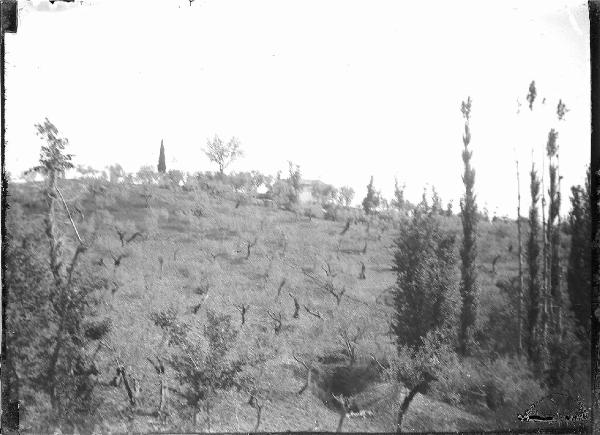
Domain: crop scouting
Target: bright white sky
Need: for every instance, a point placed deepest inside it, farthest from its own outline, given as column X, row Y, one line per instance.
column 345, row 88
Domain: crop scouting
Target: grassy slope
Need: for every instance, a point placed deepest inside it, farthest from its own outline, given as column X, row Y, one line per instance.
column 233, row 279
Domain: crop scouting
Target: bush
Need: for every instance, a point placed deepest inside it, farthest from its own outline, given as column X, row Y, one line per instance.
column 203, row 371
column 313, row 211
column 425, row 292
column 499, row 383
column 283, row 194
column 331, row 212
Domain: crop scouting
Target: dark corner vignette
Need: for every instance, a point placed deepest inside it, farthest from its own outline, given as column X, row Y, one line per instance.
column 9, row 406
column 594, row 11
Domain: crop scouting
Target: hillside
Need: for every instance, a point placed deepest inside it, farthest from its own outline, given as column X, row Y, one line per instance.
column 197, row 251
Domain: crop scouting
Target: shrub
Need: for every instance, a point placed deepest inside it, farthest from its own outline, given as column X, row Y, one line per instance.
column 372, row 200
column 283, row 194
column 494, row 383
column 202, row 372
column 313, row 211
column 425, row 286
column 147, row 175
column 331, row 212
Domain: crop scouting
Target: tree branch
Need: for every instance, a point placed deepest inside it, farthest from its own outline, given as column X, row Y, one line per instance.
column 69, row 214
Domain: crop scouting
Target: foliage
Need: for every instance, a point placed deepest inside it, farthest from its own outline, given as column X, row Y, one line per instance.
column 313, row 211
column 579, row 270
column 204, row 371
column 223, row 154
column 552, row 230
column 52, row 298
column 398, row 202
column 345, row 195
column 371, row 201
column 531, row 95
column 294, row 180
column 283, row 194
column 436, row 202
column 331, row 212
column 175, row 176
column 501, row 383
column 532, row 253
column 53, row 160
column 146, row 175
column 423, row 297
column 324, row 193
column 468, row 251
column 286, row 193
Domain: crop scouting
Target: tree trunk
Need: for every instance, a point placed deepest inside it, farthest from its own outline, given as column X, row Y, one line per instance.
column 163, row 395
column 545, row 308
column 195, row 413
column 406, row 403
column 341, row 421
column 520, row 300
column 258, row 408
column 208, row 415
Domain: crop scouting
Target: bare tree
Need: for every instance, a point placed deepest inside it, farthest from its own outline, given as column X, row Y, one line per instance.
column 309, row 369
column 223, row 154
column 117, row 260
column 195, row 308
column 147, row 197
column 161, row 262
column 123, row 236
column 343, row 406
column 281, row 284
column 129, row 382
column 494, row 261
column 350, row 341
column 160, row 370
column 362, row 271
column 277, row 318
column 346, row 228
column 420, row 387
column 313, row 313
column 329, row 272
column 296, row 306
column 243, row 309
column 249, row 245
column 327, row 285
column 256, row 404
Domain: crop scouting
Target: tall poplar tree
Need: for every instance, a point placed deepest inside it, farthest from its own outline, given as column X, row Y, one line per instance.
column 533, row 266
column 468, row 251
column 552, row 230
column 520, row 253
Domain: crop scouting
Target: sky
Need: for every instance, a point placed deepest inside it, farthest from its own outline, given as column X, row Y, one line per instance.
column 344, row 88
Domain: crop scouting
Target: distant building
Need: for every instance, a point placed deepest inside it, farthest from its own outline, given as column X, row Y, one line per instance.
column 306, row 194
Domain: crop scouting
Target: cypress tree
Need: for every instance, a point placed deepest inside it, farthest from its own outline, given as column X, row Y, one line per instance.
column 162, row 167
column 468, row 251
